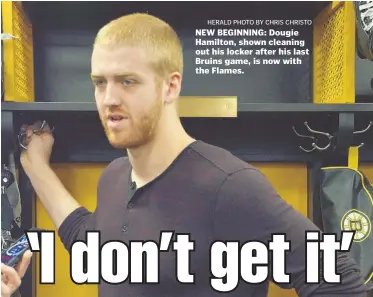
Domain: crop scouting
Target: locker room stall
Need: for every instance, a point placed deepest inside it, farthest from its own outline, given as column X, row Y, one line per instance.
column 253, row 115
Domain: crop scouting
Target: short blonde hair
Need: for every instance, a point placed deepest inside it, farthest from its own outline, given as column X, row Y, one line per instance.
column 154, row 34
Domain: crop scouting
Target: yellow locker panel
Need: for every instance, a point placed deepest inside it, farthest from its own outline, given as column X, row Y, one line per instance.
column 18, row 53
column 367, row 169
column 334, row 54
column 81, row 180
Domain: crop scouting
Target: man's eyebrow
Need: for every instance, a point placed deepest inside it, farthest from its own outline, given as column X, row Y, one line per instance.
column 93, row 76
column 126, row 74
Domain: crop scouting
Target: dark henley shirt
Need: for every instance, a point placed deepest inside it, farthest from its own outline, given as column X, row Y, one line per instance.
column 211, row 195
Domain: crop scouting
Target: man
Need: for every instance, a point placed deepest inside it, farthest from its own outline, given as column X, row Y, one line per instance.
column 11, row 278
column 169, row 181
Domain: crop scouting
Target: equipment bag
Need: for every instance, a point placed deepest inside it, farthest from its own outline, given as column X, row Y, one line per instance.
column 346, row 200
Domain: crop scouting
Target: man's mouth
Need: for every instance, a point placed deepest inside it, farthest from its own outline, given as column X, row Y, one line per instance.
column 116, row 121
column 116, row 117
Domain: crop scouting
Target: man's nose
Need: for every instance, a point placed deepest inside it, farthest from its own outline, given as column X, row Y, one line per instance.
column 112, row 95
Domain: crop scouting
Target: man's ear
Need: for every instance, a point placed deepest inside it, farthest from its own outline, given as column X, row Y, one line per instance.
column 173, row 87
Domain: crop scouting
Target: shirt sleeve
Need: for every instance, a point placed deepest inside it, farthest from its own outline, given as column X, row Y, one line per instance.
column 249, row 209
column 75, row 225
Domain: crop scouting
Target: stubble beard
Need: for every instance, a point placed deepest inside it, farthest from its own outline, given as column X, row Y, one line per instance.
column 142, row 129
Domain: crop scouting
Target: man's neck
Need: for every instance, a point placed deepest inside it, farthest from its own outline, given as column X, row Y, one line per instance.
column 151, row 160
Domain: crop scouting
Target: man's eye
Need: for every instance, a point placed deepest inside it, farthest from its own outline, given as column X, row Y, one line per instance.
column 128, row 82
column 98, row 82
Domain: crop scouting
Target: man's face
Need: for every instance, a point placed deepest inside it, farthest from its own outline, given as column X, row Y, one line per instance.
column 128, row 98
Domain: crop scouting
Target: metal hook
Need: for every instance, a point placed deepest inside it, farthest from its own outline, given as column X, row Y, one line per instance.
column 314, row 145
column 21, row 139
column 365, row 130
column 304, row 136
column 330, row 137
column 317, row 132
column 308, row 151
column 323, row 148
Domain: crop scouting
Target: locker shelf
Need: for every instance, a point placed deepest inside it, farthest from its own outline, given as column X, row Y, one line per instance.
column 242, row 107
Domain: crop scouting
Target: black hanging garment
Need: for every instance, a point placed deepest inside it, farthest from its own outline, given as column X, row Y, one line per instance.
column 7, row 217
column 10, row 205
column 346, row 200
column 10, row 208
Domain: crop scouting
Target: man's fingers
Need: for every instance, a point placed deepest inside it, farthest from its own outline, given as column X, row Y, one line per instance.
column 10, row 278
column 26, row 136
column 5, row 290
column 14, row 281
column 4, row 279
column 35, row 125
column 28, row 131
column 42, row 126
column 3, row 268
column 38, row 126
column 47, row 128
column 23, row 128
column 24, row 263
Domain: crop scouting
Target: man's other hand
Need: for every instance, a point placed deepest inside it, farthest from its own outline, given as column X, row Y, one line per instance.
column 11, row 277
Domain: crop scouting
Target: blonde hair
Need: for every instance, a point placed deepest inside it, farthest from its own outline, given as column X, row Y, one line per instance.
column 155, row 35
